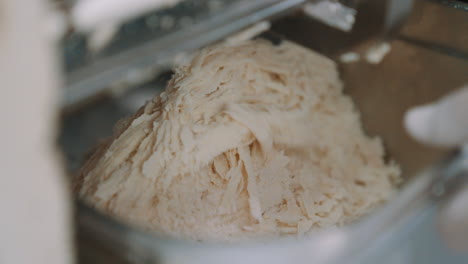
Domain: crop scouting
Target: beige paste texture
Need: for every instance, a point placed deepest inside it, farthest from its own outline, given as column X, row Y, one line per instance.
column 248, row 141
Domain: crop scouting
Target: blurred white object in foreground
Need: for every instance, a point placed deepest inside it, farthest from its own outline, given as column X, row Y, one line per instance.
column 35, row 224
column 443, row 123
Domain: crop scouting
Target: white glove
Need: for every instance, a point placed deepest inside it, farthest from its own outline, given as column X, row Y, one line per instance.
column 445, row 123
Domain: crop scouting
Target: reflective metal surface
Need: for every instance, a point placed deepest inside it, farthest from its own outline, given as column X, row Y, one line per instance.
column 154, row 39
column 150, row 42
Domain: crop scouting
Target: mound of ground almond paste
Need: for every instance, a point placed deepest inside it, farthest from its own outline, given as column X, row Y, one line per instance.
column 247, row 141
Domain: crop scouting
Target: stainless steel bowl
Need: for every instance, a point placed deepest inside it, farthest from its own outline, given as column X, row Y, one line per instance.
column 410, row 75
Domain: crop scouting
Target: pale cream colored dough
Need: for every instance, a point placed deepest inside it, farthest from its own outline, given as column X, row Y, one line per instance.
column 248, row 141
